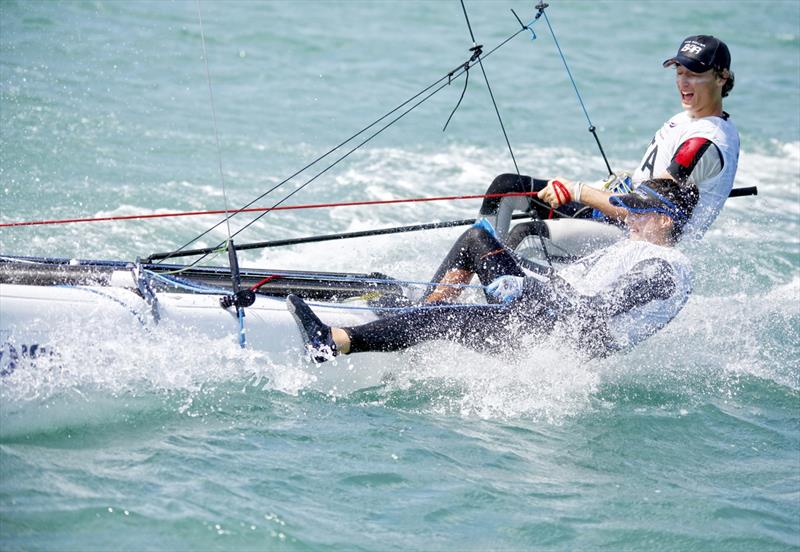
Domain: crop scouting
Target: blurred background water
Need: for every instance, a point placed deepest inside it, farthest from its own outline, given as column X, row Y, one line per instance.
column 689, row 442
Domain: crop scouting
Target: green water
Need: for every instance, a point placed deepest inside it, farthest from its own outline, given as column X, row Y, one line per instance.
column 690, row 442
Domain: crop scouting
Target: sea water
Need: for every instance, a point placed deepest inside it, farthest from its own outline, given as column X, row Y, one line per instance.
column 689, row 442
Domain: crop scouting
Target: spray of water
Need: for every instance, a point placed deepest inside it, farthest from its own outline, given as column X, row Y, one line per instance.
column 741, row 321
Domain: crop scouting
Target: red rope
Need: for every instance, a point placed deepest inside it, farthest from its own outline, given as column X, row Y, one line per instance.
column 262, row 209
column 264, row 281
column 562, row 195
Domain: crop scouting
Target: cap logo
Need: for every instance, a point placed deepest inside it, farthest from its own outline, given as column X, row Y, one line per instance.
column 692, row 48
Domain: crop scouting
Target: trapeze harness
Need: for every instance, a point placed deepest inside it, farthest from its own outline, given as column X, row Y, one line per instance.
column 605, row 302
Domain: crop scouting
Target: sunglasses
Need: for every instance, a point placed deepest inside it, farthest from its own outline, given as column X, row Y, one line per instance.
column 666, row 206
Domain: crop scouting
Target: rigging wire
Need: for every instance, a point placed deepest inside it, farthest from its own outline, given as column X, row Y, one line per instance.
column 312, row 179
column 306, row 167
column 450, row 76
column 214, row 119
column 262, row 209
column 463, row 91
column 592, row 128
column 233, row 262
column 477, row 50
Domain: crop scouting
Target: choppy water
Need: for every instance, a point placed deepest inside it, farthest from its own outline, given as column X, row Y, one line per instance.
column 690, row 442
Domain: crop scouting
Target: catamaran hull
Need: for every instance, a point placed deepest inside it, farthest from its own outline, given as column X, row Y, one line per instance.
column 37, row 321
column 48, row 304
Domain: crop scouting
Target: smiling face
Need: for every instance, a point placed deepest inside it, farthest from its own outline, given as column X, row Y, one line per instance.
column 701, row 93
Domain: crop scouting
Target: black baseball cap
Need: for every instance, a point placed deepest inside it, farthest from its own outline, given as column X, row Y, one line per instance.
column 701, row 53
column 661, row 195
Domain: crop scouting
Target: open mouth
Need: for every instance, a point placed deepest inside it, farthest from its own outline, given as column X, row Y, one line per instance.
column 687, row 96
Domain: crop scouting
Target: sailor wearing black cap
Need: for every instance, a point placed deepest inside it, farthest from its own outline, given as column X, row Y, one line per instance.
column 699, row 145
column 605, row 302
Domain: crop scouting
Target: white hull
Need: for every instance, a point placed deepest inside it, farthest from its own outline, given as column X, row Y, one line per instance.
column 37, row 320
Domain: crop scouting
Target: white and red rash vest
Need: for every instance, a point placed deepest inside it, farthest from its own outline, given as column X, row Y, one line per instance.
column 704, row 151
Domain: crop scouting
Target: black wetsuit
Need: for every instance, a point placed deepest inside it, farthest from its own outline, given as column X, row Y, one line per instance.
column 543, row 303
column 520, row 183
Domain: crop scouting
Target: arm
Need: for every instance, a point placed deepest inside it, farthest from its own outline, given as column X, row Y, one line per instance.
column 556, row 299
column 649, row 280
column 591, row 197
column 696, row 159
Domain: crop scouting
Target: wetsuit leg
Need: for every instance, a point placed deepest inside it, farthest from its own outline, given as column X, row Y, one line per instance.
column 479, row 252
column 499, row 209
column 525, row 229
column 484, row 328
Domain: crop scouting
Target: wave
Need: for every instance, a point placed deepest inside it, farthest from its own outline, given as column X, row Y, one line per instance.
column 739, row 349
column 373, row 174
column 741, row 323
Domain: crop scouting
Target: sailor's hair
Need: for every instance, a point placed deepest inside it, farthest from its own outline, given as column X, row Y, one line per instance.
column 728, row 86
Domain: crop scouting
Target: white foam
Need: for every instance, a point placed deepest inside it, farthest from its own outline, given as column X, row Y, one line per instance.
column 749, row 249
column 539, row 381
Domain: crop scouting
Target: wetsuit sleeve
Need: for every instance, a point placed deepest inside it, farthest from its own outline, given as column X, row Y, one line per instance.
column 697, row 159
column 649, row 280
